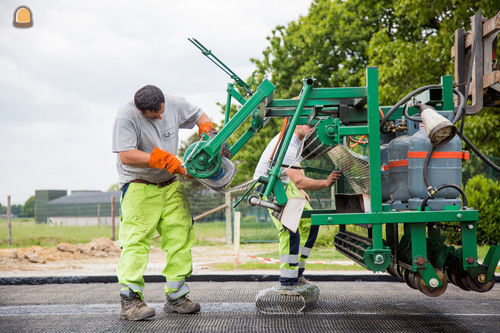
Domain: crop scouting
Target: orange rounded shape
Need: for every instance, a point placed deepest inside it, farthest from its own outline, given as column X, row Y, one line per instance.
column 23, row 15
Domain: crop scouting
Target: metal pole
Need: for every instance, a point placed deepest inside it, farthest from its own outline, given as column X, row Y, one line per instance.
column 9, row 222
column 113, row 218
column 98, row 214
column 211, row 211
column 236, row 254
column 228, row 103
column 228, row 218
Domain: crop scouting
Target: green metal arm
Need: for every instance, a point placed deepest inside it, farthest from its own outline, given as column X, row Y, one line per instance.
column 204, row 159
column 222, row 66
column 275, row 172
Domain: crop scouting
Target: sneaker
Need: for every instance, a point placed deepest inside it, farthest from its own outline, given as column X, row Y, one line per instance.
column 181, row 305
column 303, row 280
column 133, row 307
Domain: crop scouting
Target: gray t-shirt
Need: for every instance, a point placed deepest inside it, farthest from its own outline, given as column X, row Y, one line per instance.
column 292, row 157
column 133, row 130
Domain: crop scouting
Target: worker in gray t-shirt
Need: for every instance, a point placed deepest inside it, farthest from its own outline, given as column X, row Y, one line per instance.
column 145, row 140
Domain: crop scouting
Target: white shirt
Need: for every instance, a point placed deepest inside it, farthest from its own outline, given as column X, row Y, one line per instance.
column 292, row 157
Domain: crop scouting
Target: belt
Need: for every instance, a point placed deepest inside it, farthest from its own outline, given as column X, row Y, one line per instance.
column 161, row 184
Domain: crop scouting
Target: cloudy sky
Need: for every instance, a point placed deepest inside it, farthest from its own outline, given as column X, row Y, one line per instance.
column 63, row 79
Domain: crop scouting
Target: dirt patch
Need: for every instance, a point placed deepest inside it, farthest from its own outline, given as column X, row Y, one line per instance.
column 101, row 256
column 22, row 258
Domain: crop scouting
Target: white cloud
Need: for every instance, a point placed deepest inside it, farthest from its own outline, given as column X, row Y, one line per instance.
column 64, row 79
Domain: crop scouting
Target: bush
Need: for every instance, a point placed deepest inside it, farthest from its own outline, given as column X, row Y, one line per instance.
column 249, row 219
column 483, row 194
column 326, row 235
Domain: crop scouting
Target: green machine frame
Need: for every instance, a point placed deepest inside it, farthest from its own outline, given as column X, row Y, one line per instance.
column 351, row 111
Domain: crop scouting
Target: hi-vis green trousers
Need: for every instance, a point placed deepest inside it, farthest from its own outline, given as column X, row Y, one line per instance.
column 146, row 208
column 295, row 247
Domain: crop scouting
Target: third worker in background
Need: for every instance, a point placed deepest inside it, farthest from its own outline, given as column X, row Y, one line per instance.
column 294, row 248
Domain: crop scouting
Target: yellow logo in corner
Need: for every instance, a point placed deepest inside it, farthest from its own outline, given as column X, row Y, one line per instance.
column 23, row 17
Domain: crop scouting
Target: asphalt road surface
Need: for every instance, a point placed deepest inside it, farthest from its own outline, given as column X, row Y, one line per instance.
column 343, row 306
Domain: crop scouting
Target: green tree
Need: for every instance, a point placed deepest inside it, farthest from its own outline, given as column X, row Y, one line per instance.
column 419, row 52
column 28, row 209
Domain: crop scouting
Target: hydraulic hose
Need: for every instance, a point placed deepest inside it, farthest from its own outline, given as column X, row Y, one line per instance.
column 478, row 153
column 461, row 107
column 460, row 110
column 426, row 169
column 456, row 187
column 404, row 100
column 405, row 112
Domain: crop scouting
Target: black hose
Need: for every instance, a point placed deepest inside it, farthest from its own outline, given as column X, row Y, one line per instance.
column 426, row 168
column 404, row 100
column 456, row 187
column 460, row 109
column 405, row 112
column 461, row 106
column 478, row 153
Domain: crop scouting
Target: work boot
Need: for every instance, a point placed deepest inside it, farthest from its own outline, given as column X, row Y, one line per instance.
column 181, row 305
column 303, row 280
column 133, row 307
column 289, row 290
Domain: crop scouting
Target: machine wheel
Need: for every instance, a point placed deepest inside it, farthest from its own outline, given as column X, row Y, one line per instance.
column 432, row 292
column 455, row 278
column 392, row 270
column 400, row 270
column 459, row 280
column 474, row 285
column 448, row 275
column 409, row 277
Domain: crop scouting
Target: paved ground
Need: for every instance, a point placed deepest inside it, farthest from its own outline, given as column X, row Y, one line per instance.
column 230, row 307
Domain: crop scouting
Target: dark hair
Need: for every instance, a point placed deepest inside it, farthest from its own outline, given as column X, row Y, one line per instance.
column 149, row 98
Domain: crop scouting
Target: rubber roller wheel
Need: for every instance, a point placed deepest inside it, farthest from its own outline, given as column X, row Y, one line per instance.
column 448, row 275
column 429, row 291
column 409, row 277
column 459, row 280
column 455, row 278
column 475, row 285
column 400, row 270
column 392, row 270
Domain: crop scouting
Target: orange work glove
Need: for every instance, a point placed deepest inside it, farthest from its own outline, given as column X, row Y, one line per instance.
column 161, row 159
column 209, row 128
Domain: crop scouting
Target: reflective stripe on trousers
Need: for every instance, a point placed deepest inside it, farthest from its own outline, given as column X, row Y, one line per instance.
column 292, row 259
column 176, row 289
column 305, row 251
column 289, row 273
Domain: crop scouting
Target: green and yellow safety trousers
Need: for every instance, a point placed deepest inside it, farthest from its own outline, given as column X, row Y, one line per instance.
column 146, row 208
column 295, row 247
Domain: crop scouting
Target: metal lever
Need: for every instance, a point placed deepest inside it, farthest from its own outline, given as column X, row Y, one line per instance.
column 206, row 52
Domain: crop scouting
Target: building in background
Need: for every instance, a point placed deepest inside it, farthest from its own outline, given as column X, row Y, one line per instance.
column 78, row 208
